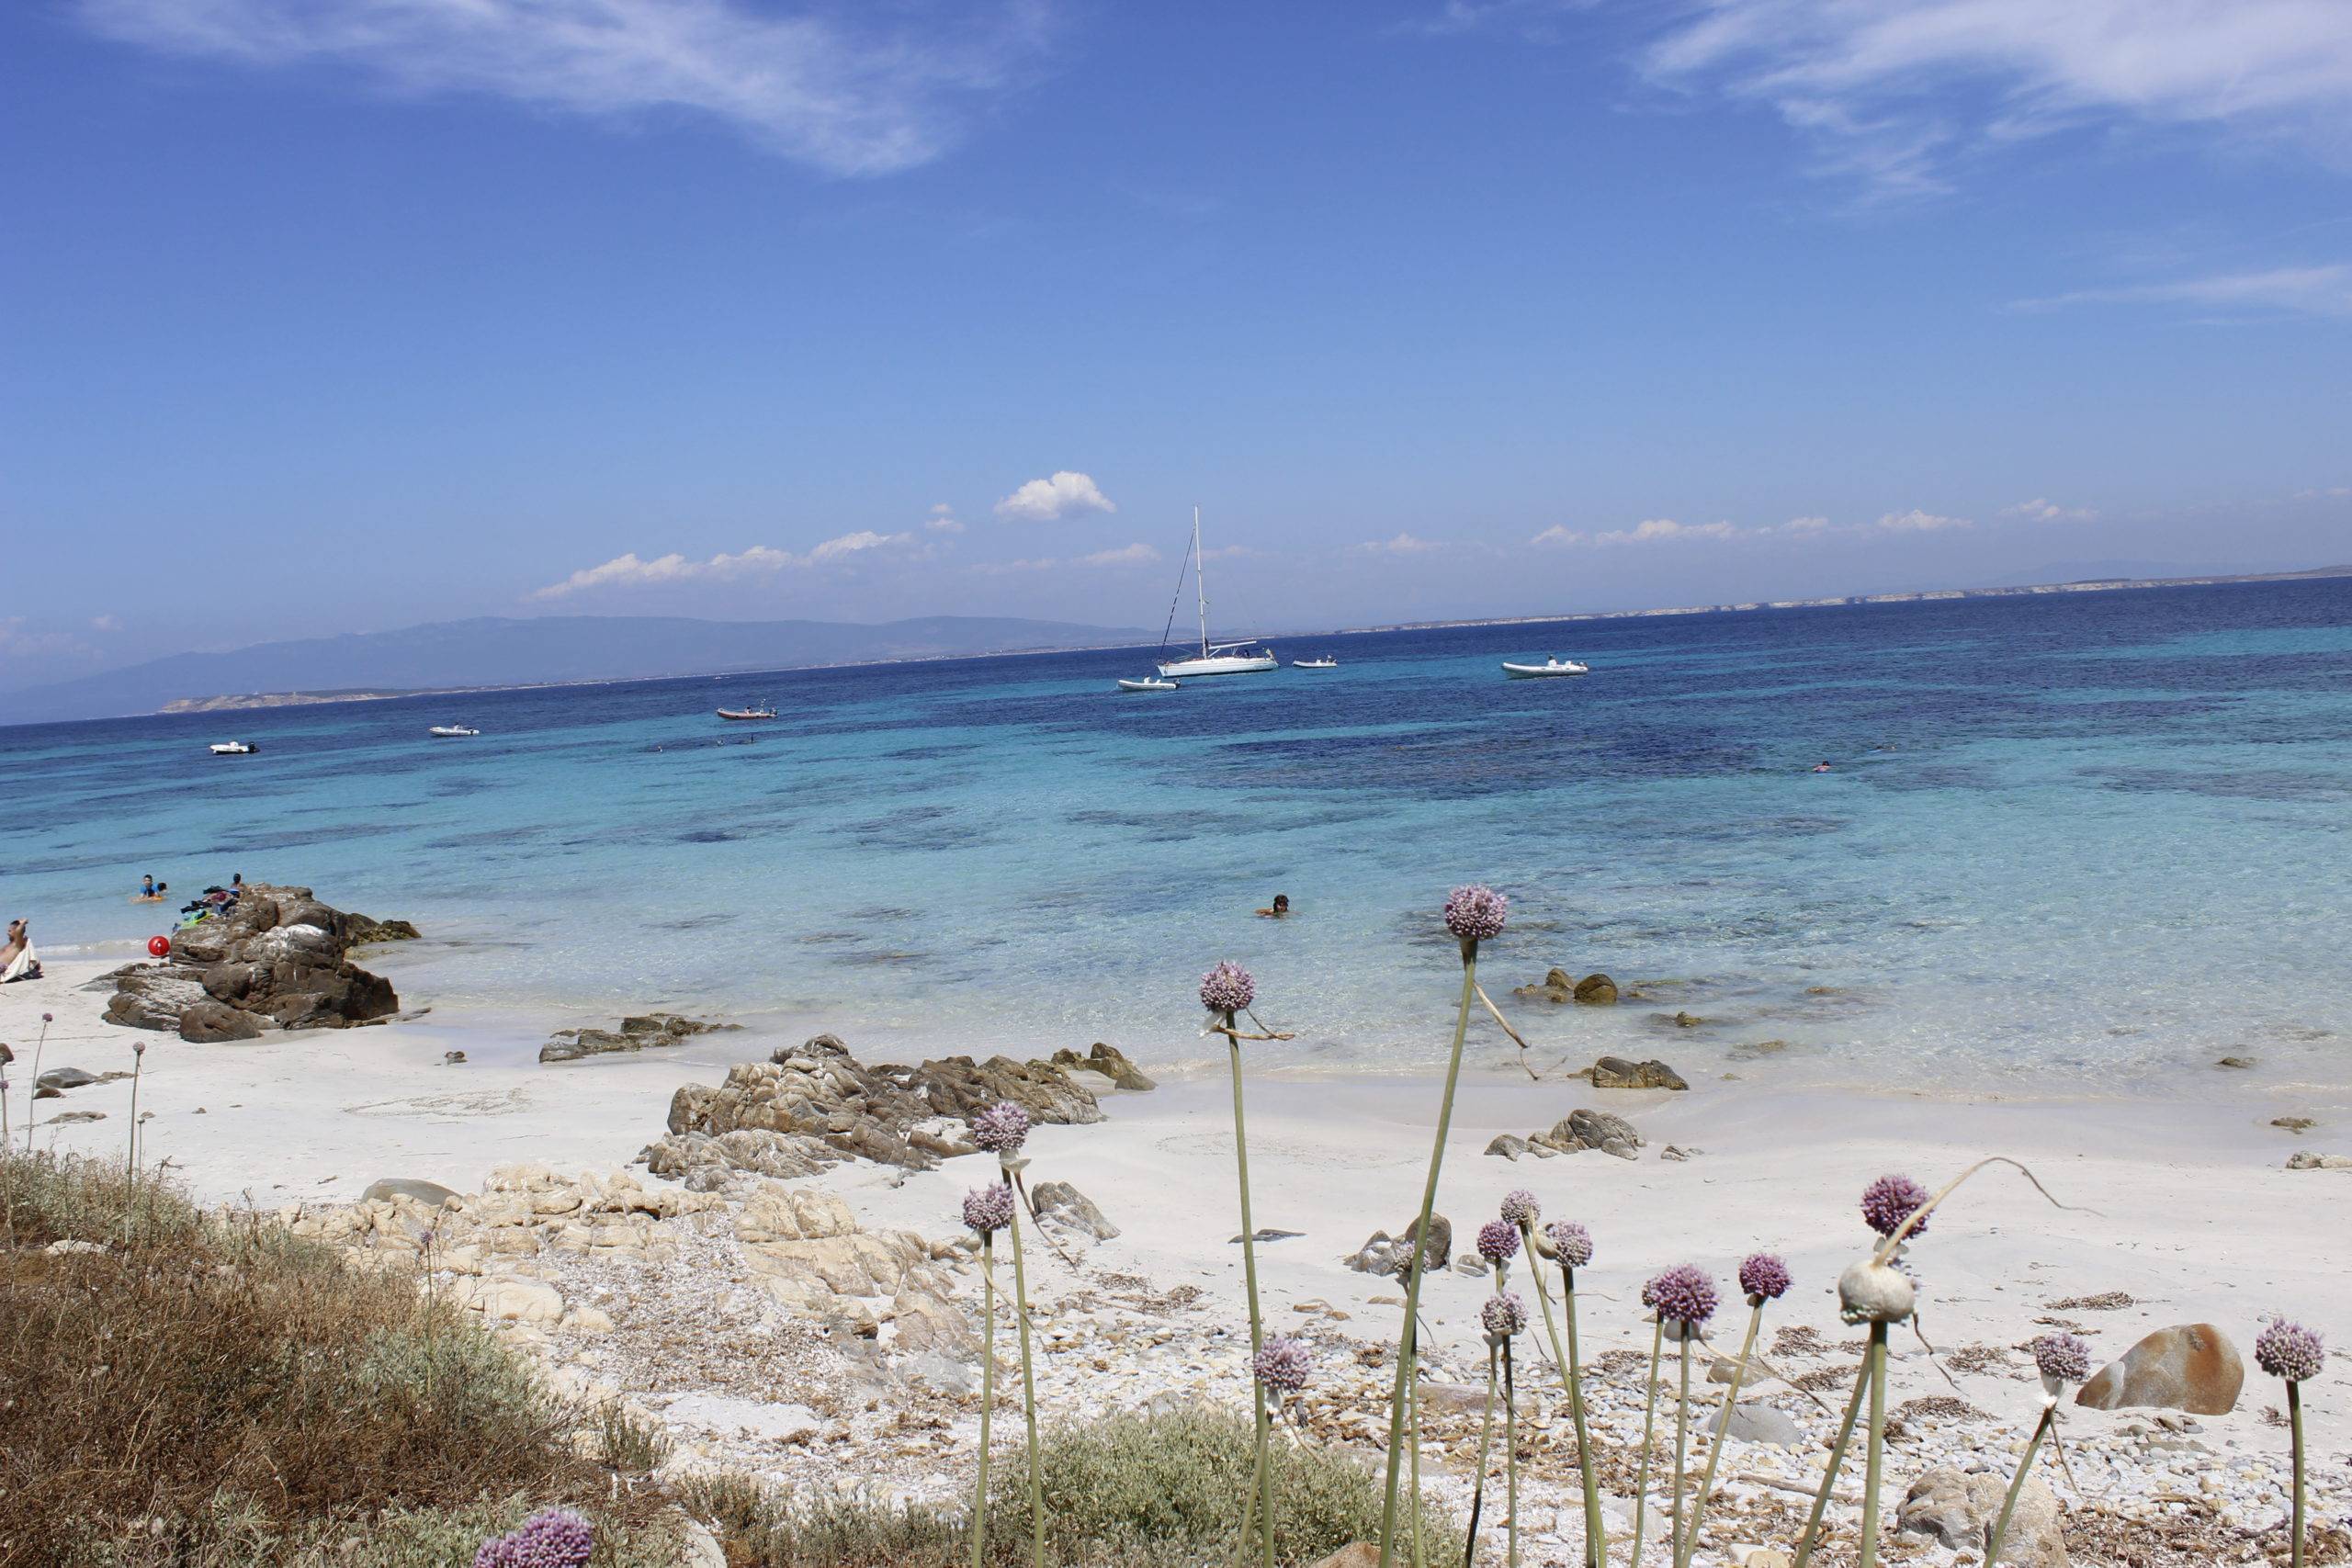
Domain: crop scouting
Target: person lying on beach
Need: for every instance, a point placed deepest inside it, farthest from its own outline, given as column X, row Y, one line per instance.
column 17, row 960
column 1280, row 907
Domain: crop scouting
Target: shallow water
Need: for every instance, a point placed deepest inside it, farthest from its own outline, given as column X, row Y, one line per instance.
column 2071, row 840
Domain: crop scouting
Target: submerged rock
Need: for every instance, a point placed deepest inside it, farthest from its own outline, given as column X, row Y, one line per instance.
column 637, row 1033
column 1597, row 991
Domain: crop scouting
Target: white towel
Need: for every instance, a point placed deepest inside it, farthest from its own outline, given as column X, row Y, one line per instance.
column 21, row 966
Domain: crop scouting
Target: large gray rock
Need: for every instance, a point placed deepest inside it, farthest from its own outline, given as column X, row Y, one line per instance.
column 209, row 1023
column 1959, row 1510
column 1616, row 1072
column 1107, row 1060
column 1384, row 1254
column 431, row 1195
column 1066, row 1205
column 276, row 958
column 63, row 1078
column 1753, row 1422
column 1579, row 1130
column 2190, row 1366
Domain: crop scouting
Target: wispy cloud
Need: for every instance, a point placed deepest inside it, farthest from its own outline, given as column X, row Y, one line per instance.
column 1402, row 545
column 1047, row 500
column 1136, row 554
column 1655, row 529
column 1917, row 522
column 631, row 572
column 1894, row 91
column 2290, row 291
column 106, row 622
column 2042, row 510
column 850, row 90
column 1666, row 530
column 943, row 520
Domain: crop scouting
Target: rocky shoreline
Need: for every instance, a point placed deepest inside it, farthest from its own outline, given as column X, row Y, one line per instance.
column 276, row 958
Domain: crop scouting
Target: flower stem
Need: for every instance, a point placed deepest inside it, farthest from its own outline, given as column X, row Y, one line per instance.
column 1571, row 1377
column 1836, row 1457
column 1723, row 1435
column 131, row 1165
column 1406, row 1342
column 1413, row 1392
column 1511, row 1451
column 2295, row 1422
column 1028, row 1396
column 988, row 1395
column 1265, row 1481
column 1681, row 1450
column 1649, row 1426
column 1478, row 1476
column 1875, row 1454
column 2017, row 1485
column 1261, row 1484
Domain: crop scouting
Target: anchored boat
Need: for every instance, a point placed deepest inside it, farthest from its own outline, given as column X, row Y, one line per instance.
column 1326, row 663
column 232, row 748
column 1214, row 658
column 761, row 711
column 1554, row 665
column 1149, row 683
column 451, row 730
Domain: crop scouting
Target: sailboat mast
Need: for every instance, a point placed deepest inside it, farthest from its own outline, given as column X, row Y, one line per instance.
column 1200, row 579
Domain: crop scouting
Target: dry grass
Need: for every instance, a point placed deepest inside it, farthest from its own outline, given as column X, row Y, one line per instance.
column 179, row 1388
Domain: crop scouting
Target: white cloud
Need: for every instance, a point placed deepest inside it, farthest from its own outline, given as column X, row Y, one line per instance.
column 2042, row 510
column 1560, row 534
column 1893, row 90
column 2333, row 492
column 1803, row 527
column 1137, row 554
column 2293, row 290
column 1917, row 522
column 850, row 90
column 106, row 622
column 759, row 561
column 1655, row 529
column 943, row 520
column 1402, row 545
column 1045, row 501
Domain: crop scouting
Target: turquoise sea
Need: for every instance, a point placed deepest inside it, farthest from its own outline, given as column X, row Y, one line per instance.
column 2071, row 840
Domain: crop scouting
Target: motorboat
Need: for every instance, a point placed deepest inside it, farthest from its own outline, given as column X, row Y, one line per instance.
column 1149, row 683
column 739, row 715
column 451, row 730
column 1326, row 663
column 1214, row 658
column 1554, row 665
column 232, row 748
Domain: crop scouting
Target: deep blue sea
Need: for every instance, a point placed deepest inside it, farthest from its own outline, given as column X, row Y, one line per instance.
column 2071, row 840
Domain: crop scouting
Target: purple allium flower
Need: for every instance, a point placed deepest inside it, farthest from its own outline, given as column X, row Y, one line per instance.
column 2061, row 1357
column 48, row 1018
column 1227, row 989
column 552, row 1538
column 1284, row 1365
column 1681, row 1294
column 1520, row 1207
column 1476, row 913
column 1573, row 1243
column 2290, row 1351
column 1763, row 1276
column 1498, row 1241
column 1889, row 1201
column 1503, row 1314
column 989, row 1208
column 1001, row 1129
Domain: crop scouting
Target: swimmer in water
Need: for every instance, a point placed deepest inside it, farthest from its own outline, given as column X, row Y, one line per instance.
column 1822, row 767
column 1280, row 907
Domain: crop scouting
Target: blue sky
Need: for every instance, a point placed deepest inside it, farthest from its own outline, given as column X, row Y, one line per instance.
column 344, row 314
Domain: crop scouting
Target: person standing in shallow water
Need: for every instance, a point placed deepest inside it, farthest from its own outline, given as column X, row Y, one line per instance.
column 1280, row 907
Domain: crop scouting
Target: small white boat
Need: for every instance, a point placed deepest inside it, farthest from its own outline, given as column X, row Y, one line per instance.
column 1326, row 663
column 451, row 730
column 232, row 748
column 1554, row 665
column 1148, row 684
column 740, row 713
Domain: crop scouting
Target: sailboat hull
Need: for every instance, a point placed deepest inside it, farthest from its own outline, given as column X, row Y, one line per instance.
column 1220, row 664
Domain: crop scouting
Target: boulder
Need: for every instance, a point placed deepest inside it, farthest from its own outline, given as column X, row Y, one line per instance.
column 365, row 931
column 1559, row 985
column 1616, row 1072
column 1754, row 1423
column 1578, row 1130
column 1356, row 1554
column 1107, row 1060
column 61, row 1078
column 1384, row 1254
column 209, row 1023
column 431, row 1195
column 2191, row 1367
column 1959, row 1510
column 2306, row 1160
column 1597, row 991
column 151, row 995
column 1065, row 1204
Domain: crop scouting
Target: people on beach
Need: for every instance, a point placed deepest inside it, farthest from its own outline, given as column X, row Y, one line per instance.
column 1280, row 907
column 18, row 960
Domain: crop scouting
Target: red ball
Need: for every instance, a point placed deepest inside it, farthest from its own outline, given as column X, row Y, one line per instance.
column 159, row 946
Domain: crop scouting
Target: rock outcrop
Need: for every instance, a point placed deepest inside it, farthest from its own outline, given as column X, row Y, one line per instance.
column 1384, row 1254
column 275, row 960
column 814, row 1105
column 2190, row 1366
column 1107, row 1060
column 1578, row 1131
column 1559, row 985
column 639, row 1033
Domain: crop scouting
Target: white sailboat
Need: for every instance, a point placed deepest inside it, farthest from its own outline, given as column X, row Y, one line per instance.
column 1214, row 658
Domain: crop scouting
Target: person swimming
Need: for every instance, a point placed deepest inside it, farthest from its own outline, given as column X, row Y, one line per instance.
column 147, row 894
column 1280, row 907
column 1822, row 767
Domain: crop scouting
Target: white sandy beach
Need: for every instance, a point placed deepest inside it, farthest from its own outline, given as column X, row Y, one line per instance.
column 2182, row 1204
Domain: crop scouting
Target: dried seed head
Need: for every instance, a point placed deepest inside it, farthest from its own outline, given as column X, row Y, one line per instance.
column 1227, row 989
column 2290, row 1351
column 138, row 1047
column 1889, row 1201
column 1521, row 1208
column 1681, row 1294
column 2061, row 1357
column 1871, row 1291
column 1573, row 1243
column 1001, row 1129
column 1763, row 1278
column 552, row 1538
column 1498, row 1241
column 1476, row 913
column 987, row 1209
column 1504, row 1315
column 1284, row 1365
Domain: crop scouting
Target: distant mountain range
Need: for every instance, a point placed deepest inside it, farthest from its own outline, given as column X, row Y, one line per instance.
column 548, row 651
